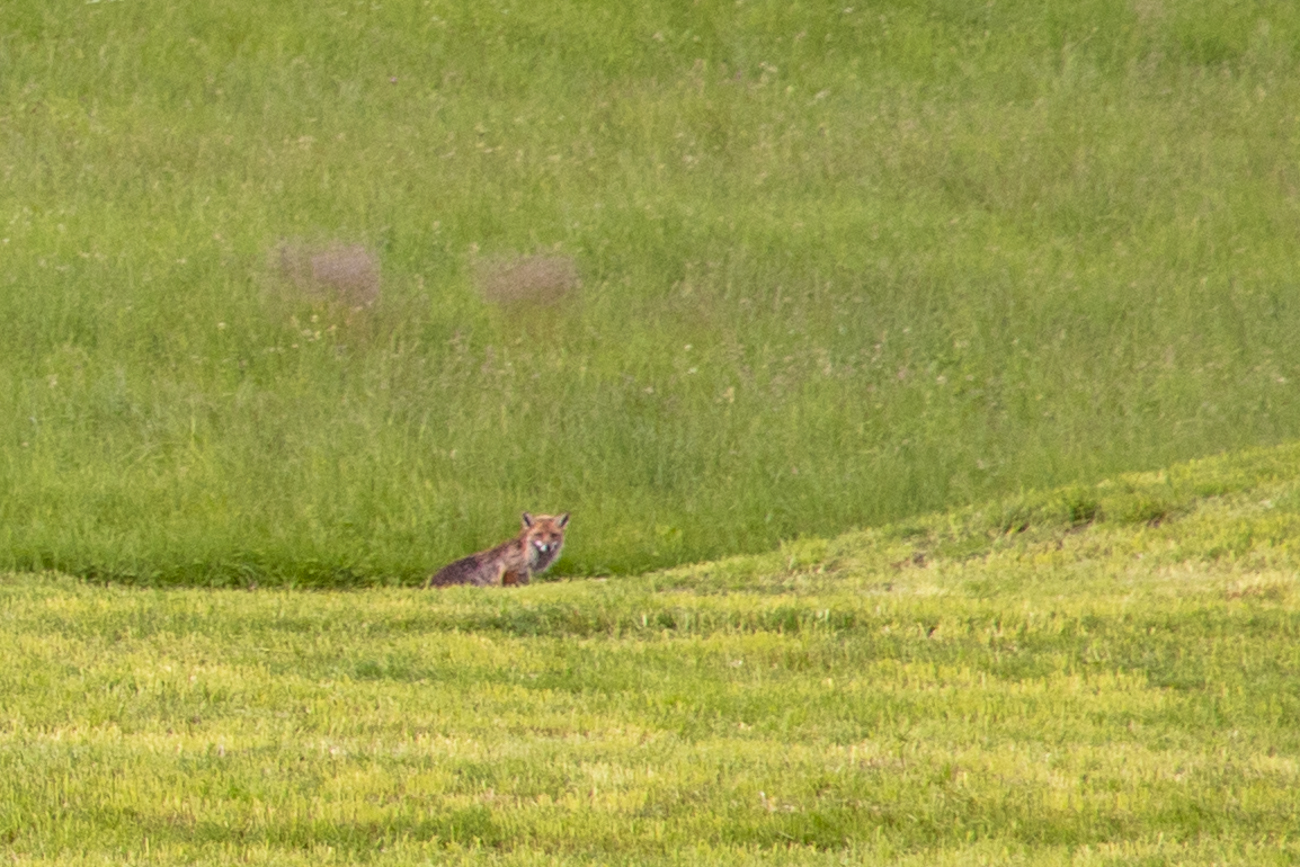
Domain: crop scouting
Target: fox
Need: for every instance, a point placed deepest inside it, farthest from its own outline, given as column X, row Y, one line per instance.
column 514, row 562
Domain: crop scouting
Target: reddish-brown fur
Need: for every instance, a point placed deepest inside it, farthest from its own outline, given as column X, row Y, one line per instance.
column 514, row 562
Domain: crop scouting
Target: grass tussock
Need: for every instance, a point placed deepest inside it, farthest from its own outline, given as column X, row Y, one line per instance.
column 1114, row 692
column 333, row 274
column 537, row 279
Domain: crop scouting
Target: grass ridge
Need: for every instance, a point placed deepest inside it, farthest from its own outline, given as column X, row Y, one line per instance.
column 1041, row 690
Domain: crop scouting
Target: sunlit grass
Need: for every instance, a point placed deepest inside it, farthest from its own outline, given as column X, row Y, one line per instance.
column 1001, row 685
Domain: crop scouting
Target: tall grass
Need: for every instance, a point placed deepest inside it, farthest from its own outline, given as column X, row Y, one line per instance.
column 839, row 265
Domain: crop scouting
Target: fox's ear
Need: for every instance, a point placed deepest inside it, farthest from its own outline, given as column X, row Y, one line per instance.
column 528, row 520
column 564, row 519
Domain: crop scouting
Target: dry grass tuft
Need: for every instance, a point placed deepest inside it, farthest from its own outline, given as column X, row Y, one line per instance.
column 540, row 279
column 1269, row 588
column 340, row 274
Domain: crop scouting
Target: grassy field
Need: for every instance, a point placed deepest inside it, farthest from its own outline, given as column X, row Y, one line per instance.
column 1097, row 675
column 839, row 264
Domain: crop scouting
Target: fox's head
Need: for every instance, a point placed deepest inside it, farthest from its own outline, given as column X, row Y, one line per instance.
column 544, row 536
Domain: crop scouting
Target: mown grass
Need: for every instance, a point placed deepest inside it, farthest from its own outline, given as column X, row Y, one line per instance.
column 963, row 688
column 840, row 265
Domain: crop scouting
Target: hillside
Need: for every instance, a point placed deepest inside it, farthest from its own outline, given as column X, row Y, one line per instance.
column 1103, row 674
column 326, row 294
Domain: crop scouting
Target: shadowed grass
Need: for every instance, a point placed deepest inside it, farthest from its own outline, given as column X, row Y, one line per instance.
column 838, row 265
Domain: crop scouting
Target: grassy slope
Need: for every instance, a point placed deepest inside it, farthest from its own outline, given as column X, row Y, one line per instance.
column 840, row 267
column 1095, row 675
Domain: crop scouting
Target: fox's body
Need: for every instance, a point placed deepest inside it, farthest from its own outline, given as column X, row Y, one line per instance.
column 514, row 562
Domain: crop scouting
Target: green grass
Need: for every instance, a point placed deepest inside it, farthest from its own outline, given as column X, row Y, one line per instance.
column 840, row 265
column 1008, row 684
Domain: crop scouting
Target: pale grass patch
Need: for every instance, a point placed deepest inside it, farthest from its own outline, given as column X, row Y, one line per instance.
column 331, row 273
column 538, row 278
column 1269, row 586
